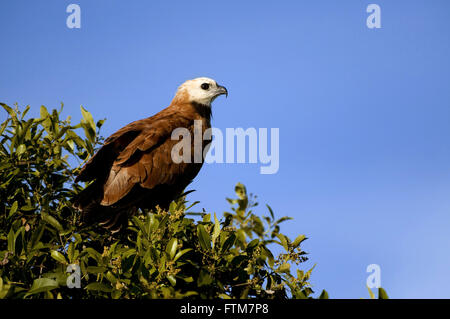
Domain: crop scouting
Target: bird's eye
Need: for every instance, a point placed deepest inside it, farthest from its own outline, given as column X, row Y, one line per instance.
column 205, row 86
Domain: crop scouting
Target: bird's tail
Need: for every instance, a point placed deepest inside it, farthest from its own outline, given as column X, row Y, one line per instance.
column 112, row 218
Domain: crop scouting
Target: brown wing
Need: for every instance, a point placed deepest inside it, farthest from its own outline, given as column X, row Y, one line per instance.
column 146, row 160
column 99, row 164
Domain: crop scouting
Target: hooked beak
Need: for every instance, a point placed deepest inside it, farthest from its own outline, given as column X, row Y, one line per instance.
column 222, row 90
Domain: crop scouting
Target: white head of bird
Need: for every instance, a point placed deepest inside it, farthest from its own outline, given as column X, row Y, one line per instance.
column 202, row 90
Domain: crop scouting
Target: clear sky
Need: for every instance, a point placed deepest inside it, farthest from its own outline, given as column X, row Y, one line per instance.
column 363, row 113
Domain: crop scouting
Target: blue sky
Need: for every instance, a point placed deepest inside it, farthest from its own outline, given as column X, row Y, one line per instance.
column 363, row 113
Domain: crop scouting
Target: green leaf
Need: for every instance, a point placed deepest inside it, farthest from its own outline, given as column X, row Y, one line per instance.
column 21, row 149
column 100, row 123
column 282, row 219
column 60, row 277
column 251, row 245
column 96, row 269
column 270, row 211
column 181, row 253
column 52, row 221
column 46, row 120
column 229, row 242
column 27, row 108
column 216, row 231
column 87, row 116
column 44, row 113
column 204, row 238
column 301, row 295
column 9, row 110
column 284, row 241
column 382, row 294
column 41, row 285
column 204, row 279
column 18, row 245
column 270, row 258
column 372, row 296
column 207, row 218
column 324, row 295
column 3, row 126
column 171, row 248
column 11, row 241
column 70, row 145
column 58, row 257
column 188, row 279
column 13, row 209
column 71, row 252
column 93, row 253
column 286, row 267
column 109, row 275
column 36, row 236
column 98, row 286
column 172, row 280
column 240, row 190
column 140, row 224
column 88, row 124
column 298, row 241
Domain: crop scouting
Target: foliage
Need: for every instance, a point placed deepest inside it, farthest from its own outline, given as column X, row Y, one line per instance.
column 382, row 294
column 162, row 254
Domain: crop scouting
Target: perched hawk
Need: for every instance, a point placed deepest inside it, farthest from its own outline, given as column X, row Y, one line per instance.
column 134, row 167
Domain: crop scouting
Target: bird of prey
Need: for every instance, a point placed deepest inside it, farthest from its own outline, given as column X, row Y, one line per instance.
column 134, row 168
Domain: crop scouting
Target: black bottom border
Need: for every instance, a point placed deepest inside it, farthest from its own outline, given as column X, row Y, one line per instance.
column 182, row 308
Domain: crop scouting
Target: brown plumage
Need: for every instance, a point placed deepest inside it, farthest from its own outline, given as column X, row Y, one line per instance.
column 134, row 167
